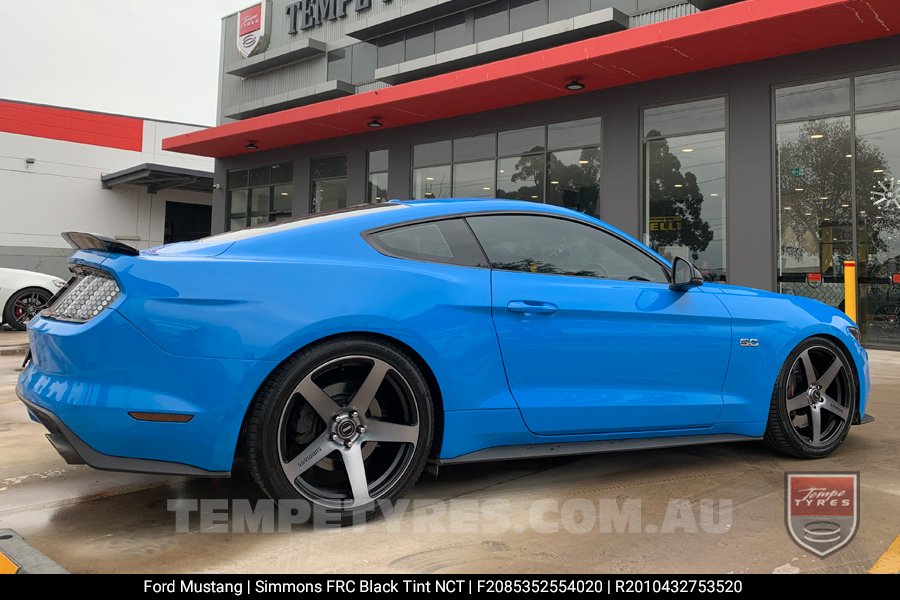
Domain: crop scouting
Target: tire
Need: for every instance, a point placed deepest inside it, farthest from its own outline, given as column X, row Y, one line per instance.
column 339, row 414
column 24, row 305
column 814, row 400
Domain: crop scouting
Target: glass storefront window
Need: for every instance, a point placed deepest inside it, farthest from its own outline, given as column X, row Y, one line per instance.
column 474, row 179
column 878, row 233
column 521, row 178
column 839, row 196
column 474, row 148
column 378, row 176
column 521, row 141
column 690, row 117
column 523, row 170
column 329, row 183
column 574, row 134
column 685, row 184
column 814, row 100
column 260, row 195
column 432, row 182
column 573, row 179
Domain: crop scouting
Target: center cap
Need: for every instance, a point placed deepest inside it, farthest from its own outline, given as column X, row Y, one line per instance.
column 815, row 395
column 347, row 428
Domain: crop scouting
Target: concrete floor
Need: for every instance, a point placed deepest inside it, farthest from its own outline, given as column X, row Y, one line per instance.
column 90, row 521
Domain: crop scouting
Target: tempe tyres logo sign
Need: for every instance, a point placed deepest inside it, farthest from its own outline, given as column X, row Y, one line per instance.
column 253, row 29
column 822, row 510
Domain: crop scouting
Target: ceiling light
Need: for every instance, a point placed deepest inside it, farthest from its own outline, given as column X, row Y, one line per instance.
column 534, row 197
column 429, row 179
column 375, row 123
column 823, row 198
column 849, row 156
column 827, row 219
column 554, row 183
column 575, row 85
column 678, row 185
column 502, row 171
column 583, row 162
column 487, row 189
column 808, row 214
column 845, row 206
column 879, row 217
column 251, row 146
column 713, row 195
column 687, row 149
column 798, row 189
column 817, row 136
column 788, row 208
column 878, row 171
column 285, row 194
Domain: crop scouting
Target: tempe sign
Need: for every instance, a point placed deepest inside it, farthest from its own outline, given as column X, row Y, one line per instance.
column 307, row 14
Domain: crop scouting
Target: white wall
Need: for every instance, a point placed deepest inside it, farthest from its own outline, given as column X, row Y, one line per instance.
column 61, row 191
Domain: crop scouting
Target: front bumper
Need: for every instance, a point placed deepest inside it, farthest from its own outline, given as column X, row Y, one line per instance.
column 84, row 381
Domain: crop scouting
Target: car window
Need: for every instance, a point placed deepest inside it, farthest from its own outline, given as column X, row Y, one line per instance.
column 449, row 241
column 538, row 244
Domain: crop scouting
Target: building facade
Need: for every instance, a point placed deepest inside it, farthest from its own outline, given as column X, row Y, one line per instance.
column 72, row 170
column 758, row 138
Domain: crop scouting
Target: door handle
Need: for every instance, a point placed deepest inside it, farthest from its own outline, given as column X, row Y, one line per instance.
column 531, row 307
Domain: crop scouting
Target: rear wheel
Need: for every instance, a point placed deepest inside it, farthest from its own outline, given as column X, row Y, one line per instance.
column 23, row 306
column 814, row 401
column 345, row 426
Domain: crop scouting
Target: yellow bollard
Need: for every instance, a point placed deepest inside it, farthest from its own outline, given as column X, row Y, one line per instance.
column 850, row 289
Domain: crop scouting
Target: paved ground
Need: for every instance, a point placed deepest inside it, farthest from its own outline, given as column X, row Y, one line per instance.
column 90, row 521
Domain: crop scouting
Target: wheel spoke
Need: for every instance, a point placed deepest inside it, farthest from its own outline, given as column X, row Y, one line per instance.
column 311, row 455
column 808, row 369
column 363, row 397
column 828, row 377
column 382, row 431
column 831, row 405
column 798, row 402
column 356, row 473
column 321, row 402
column 815, row 422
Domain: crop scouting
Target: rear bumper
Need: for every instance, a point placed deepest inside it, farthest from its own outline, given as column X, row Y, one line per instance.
column 76, row 452
column 84, row 381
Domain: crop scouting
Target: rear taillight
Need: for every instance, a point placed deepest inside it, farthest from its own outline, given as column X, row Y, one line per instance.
column 85, row 297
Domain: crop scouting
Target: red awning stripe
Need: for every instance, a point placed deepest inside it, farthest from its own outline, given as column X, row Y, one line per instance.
column 742, row 32
column 69, row 125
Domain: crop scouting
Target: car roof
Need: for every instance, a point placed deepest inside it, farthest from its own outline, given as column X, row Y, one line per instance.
column 358, row 219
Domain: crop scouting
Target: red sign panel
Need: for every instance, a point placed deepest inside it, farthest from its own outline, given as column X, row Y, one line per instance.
column 813, row 278
column 895, row 278
column 250, row 20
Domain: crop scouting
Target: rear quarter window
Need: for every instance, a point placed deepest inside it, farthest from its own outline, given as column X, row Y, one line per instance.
column 448, row 242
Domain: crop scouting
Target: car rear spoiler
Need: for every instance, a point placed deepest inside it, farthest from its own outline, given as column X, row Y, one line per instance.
column 90, row 241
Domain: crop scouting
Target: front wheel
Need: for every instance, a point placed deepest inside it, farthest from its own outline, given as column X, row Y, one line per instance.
column 23, row 306
column 814, row 400
column 345, row 427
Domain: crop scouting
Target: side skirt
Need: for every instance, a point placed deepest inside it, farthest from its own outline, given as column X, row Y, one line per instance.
column 577, row 448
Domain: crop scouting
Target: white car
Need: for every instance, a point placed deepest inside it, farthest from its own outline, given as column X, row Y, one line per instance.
column 23, row 294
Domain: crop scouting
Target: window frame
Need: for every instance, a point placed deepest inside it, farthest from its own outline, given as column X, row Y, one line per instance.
column 465, row 216
column 270, row 187
column 371, row 237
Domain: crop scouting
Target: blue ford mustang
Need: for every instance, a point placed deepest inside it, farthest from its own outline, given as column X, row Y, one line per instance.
column 346, row 352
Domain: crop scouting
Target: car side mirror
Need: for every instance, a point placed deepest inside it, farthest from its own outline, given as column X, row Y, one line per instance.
column 685, row 275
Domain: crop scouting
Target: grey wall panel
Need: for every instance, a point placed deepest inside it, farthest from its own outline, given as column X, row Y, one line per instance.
column 52, row 261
